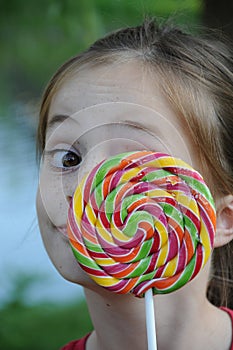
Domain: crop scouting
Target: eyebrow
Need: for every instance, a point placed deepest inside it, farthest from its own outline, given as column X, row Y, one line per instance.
column 59, row 118
column 139, row 126
column 56, row 119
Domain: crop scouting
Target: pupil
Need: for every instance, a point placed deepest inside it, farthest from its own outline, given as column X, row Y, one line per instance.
column 71, row 159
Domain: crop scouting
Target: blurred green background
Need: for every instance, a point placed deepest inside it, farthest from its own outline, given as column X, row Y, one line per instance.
column 36, row 38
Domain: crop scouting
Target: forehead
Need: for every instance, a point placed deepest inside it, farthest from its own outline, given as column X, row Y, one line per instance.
column 119, row 93
column 128, row 82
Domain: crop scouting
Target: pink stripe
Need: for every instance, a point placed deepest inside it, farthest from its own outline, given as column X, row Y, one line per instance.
column 199, row 260
column 115, row 179
column 182, row 258
column 173, row 246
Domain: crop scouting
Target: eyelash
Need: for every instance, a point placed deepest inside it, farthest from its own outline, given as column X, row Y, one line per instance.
column 56, row 156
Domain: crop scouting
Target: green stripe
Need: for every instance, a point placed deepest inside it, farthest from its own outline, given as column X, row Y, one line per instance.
column 191, row 229
column 144, row 251
column 92, row 247
column 132, row 223
column 184, row 278
column 85, row 260
column 110, row 202
column 141, row 268
column 199, row 187
column 108, row 165
column 172, row 212
column 156, row 174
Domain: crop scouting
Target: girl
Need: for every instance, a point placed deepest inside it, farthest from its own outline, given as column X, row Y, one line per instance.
column 148, row 87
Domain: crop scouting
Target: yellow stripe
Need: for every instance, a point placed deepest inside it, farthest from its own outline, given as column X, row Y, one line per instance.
column 162, row 255
column 78, row 207
column 105, row 262
column 103, row 232
column 170, row 161
column 105, row 281
column 162, row 232
column 159, row 193
column 78, row 201
column 118, row 234
column 188, row 202
column 170, row 268
column 128, row 175
column 205, row 241
column 90, row 214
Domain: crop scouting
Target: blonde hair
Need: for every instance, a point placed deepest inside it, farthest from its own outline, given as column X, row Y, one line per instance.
column 196, row 77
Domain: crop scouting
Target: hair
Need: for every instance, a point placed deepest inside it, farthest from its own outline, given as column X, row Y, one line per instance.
column 196, row 77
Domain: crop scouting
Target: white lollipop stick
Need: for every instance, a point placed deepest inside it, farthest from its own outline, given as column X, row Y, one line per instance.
column 150, row 321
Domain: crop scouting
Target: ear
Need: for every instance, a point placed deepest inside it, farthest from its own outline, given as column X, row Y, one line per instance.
column 224, row 229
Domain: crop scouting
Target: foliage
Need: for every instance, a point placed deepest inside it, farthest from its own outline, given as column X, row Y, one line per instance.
column 37, row 36
column 41, row 326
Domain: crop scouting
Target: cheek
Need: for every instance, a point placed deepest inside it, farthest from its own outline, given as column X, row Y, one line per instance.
column 52, row 198
column 58, row 249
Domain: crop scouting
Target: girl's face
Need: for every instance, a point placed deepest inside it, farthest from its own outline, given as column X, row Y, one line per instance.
column 96, row 114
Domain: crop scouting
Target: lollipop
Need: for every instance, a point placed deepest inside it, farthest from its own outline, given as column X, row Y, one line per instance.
column 142, row 221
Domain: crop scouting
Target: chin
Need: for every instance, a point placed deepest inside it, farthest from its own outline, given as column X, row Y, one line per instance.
column 70, row 270
column 59, row 251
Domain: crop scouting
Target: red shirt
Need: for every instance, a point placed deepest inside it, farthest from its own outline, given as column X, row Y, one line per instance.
column 81, row 343
column 230, row 313
column 77, row 344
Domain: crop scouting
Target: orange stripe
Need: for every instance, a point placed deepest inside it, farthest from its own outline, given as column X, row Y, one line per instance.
column 138, row 155
column 89, row 237
column 70, row 233
column 126, row 271
column 80, row 248
column 147, row 227
column 189, row 245
column 131, row 256
column 128, row 160
column 173, row 179
column 74, row 242
column 122, row 192
column 106, row 185
column 137, row 203
column 209, row 209
column 177, row 228
column 166, row 283
column 132, row 283
column 124, row 162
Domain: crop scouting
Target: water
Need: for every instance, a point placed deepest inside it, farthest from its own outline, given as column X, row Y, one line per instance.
column 21, row 250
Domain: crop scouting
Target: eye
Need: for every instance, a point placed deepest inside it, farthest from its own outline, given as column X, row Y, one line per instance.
column 63, row 159
column 70, row 159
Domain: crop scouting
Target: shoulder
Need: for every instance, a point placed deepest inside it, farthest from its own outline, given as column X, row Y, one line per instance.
column 76, row 344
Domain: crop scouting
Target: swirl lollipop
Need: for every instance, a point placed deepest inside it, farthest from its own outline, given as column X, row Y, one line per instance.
column 142, row 220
